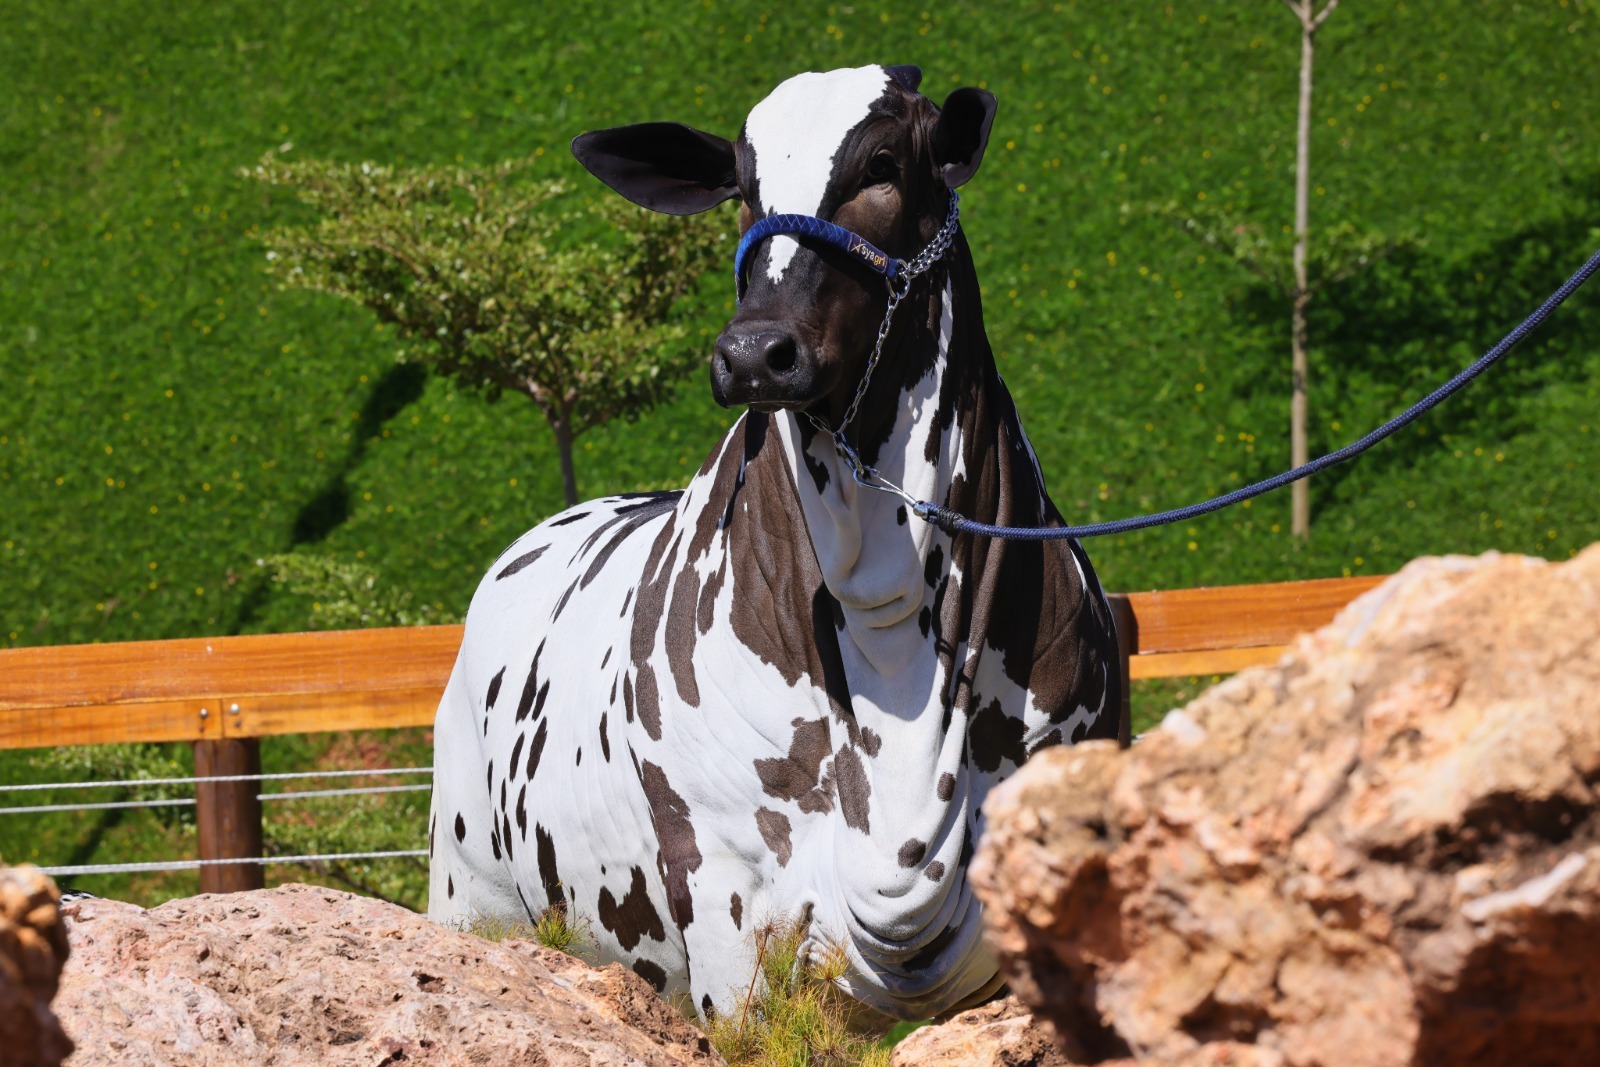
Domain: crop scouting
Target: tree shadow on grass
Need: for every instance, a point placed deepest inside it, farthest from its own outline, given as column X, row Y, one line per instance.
column 330, row 506
column 1383, row 339
column 327, row 510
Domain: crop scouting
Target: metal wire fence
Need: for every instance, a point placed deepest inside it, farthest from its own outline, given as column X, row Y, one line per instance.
column 181, row 802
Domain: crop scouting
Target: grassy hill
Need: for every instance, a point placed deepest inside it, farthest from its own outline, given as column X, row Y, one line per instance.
column 168, row 417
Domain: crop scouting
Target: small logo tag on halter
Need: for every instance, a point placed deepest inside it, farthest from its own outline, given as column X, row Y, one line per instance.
column 870, row 254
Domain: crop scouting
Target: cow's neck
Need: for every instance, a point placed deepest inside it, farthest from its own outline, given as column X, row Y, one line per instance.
column 930, row 424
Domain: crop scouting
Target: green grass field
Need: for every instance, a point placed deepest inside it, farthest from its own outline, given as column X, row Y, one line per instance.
column 168, row 417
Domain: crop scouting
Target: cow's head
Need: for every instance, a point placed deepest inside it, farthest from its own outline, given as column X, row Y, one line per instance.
column 860, row 148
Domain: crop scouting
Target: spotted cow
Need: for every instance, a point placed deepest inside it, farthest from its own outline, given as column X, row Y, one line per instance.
column 775, row 693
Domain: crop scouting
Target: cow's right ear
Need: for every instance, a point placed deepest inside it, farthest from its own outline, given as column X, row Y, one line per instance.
column 664, row 166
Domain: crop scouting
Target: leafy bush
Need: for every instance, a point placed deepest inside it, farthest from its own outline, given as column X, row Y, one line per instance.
column 479, row 273
column 347, row 594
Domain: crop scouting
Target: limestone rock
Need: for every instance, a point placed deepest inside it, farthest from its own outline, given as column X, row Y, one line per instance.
column 1384, row 850
column 305, row 975
column 1001, row 1033
column 33, row 947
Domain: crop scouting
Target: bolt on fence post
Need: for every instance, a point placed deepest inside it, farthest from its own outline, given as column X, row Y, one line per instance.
column 229, row 814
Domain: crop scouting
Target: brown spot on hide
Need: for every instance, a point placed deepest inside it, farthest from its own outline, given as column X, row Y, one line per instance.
column 855, row 791
column 652, row 598
column 549, row 876
column 631, row 517
column 995, row 736
column 911, row 852
column 706, row 613
column 531, row 690
column 797, row 776
column 633, row 919
column 561, row 605
column 774, row 827
column 934, row 871
column 736, row 911
column 648, row 702
column 680, row 852
column 681, row 632
column 947, row 786
column 521, row 561
column 818, row 469
column 652, row 973
column 537, row 750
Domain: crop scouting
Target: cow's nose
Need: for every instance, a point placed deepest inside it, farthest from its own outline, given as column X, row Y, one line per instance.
column 757, row 354
column 761, row 364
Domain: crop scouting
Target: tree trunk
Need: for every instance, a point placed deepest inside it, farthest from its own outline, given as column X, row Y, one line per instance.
column 1299, row 456
column 569, row 478
column 1300, row 520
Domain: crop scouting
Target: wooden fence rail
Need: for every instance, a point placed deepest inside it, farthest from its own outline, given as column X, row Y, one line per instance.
column 225, row 693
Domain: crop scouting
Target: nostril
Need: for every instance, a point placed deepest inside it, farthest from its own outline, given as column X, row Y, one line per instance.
column 781, row 354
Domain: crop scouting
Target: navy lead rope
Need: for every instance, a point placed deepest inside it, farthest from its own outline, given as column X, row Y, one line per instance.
column 953, row 522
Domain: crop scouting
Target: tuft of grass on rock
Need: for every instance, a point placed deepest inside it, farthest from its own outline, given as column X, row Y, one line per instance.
column 794, row 1014
column 555, row 927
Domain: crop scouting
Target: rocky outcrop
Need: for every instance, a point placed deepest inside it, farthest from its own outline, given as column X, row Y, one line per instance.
column 1385, row 850
column 1002, row 1033
column 1005, row 1033
column 33, row 947
column 306, row 975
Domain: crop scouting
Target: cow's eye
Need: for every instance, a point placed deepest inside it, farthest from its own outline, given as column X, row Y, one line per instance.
column 882, row 169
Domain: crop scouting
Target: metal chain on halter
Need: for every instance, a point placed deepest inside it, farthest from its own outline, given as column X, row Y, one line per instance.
column 899, row 286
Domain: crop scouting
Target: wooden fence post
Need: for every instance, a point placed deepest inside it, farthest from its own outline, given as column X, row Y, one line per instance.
column 1127, row 627
column 229, row 814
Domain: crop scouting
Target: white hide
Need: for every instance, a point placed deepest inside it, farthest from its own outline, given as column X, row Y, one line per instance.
column 788, row 130
column 878, row 578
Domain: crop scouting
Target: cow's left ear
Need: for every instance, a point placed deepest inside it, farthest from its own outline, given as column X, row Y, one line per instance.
column 962, row 134
column 664, row 166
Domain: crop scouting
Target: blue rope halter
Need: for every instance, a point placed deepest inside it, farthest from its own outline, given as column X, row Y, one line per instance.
column 853, row 244
column 897, row 273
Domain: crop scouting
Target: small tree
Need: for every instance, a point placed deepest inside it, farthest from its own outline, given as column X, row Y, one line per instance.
column 1339, row 253
column 494, row 283
column 1311, row 20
